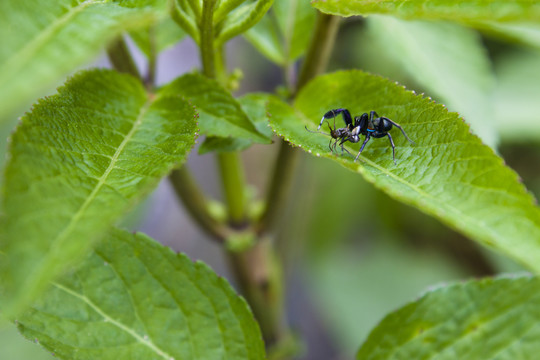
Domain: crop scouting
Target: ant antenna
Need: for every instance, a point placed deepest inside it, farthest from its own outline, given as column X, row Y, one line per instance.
column 317, row 132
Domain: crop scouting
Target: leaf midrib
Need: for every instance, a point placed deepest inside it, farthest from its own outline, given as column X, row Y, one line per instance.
column 118, row 324
column 102, row 180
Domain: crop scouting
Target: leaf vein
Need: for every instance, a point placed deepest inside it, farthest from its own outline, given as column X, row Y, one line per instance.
column 118, row 324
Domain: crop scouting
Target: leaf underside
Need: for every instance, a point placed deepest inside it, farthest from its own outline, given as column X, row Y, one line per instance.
column 448, row 173
column 78, row 161
column 132, row 298
column 449, row 323
column 474, row 11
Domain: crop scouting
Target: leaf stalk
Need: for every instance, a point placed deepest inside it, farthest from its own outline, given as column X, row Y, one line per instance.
column 121, row 58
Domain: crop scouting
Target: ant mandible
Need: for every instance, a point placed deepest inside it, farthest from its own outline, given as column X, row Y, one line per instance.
column 371, row 125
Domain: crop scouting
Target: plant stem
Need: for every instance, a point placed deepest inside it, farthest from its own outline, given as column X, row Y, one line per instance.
column 316, row 61
column 280, row 184
column 230, row 164
column 206, row 29
column 232, row 174
column 121, row 59
column 195, row 203
column 260, row 280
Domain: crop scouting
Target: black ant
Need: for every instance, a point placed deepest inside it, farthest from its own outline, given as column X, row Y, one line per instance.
column 371, row 125
column 335, row 134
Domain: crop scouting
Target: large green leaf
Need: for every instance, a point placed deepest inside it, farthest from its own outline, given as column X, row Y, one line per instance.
column 461, row 11
column 220, row 114
column 78, row 161
column 512, row 20
column 132, row 298
column 486, row 319
column 43, row 40
column 448, row 173
column 448, row 60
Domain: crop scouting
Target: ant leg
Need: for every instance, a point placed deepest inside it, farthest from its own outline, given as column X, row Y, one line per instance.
column 373, row 115
column 343, row 148
column 399, row 127
column 333, row 146
column 368, row 136
column 393, row 148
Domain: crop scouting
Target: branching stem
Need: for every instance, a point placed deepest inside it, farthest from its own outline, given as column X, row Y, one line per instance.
column 195, row 203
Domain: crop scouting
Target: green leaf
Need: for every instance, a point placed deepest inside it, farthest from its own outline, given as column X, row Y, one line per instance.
column 459, row 11
column 486, row 319
column 448, row 173
column 132, row 298
column 164, row 33
column 182, row 14
column 220, row 113
column 254, row 106
column 266, row 38
column 43, row 40
column 14, row 346
column 241, row 19
column 516, row 96
column 78, row 161
column 527, row 34
column 448, row 60
column 283, row 34
column 224, row 7
column 352, row 304
column 296, row 20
